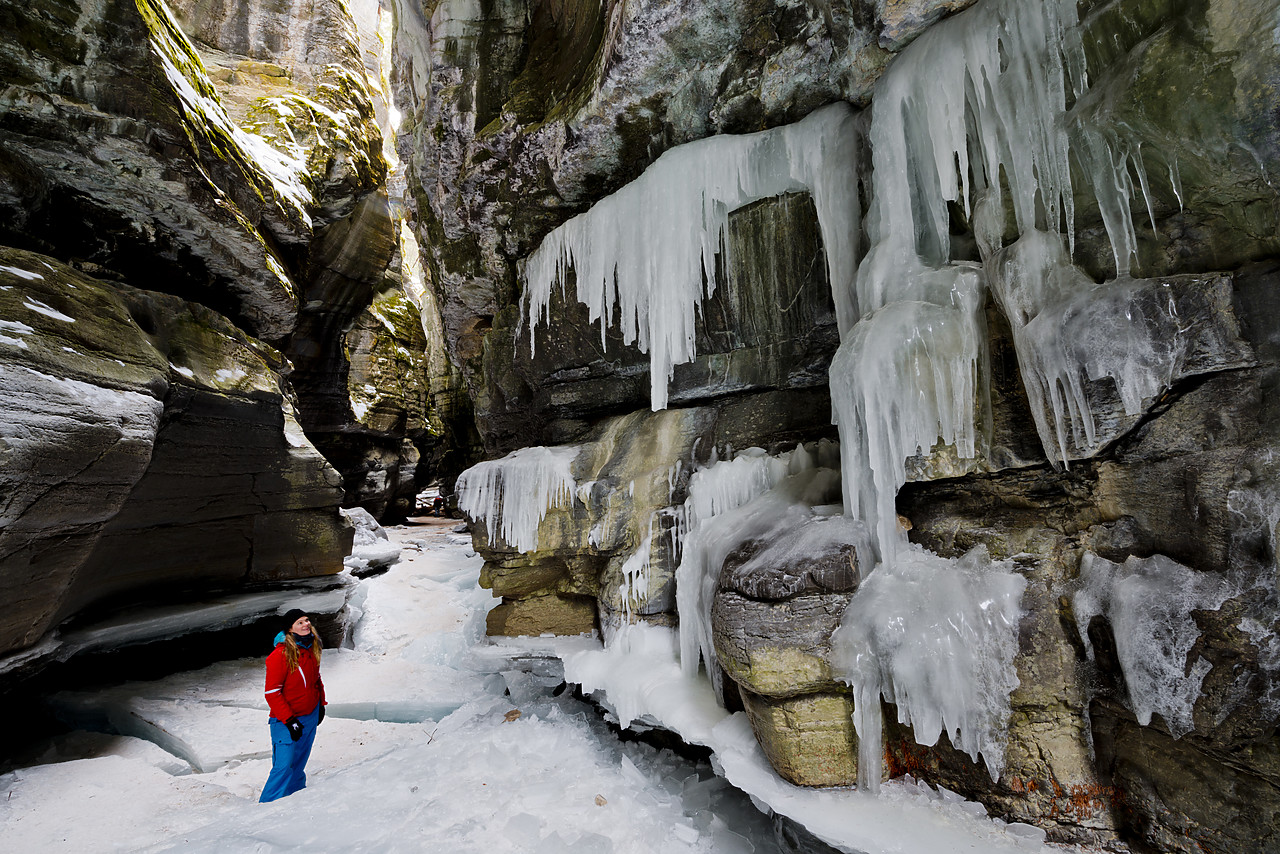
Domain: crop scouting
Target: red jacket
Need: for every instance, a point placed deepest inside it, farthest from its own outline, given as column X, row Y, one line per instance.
column 297, row 693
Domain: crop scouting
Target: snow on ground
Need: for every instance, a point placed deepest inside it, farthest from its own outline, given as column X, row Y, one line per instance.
column 416, row 751
column 436, row 738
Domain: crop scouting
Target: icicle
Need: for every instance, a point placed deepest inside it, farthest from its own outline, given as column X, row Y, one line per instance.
column 1067, row 331
column 634, row 589
column 512, row 495
column 905, row 377
column 649, row 276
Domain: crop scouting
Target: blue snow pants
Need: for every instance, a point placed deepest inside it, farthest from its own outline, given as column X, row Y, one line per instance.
column 289, row 757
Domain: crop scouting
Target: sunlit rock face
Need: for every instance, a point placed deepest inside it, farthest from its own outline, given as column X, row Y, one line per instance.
column 1097, row 348
column 305, row 77
column 233, row 155
column 115, row 155
column 206, row 187
column 150, row 446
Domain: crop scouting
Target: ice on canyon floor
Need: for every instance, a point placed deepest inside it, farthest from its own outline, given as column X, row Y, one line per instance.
column 322, row 596
column 511, row 496
column 906, row 817
column 371, row 549
column 478, row 779
column 1148, row 602
column 936, row 637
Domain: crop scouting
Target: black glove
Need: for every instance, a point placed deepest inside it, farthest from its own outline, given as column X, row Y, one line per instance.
column 320, row 720
column 295, row 728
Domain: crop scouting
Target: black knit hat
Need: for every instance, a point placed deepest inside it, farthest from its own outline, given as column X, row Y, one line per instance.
column 292, row 616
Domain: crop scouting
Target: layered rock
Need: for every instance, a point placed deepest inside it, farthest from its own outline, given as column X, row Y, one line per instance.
column 118, row 154
column 530, row 112
column 1155, row 439
column 229, row 155
column 153, row 450
column 307, row 80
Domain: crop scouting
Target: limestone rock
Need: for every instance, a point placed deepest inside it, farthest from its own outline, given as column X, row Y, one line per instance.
column 628, row 480
column 127, row 163
column 296, row 75
column 777, row 649
column 533, row 111
column 536, row 615
column 809, row 739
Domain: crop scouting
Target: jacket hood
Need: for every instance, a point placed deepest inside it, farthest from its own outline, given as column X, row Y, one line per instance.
column 280, row 640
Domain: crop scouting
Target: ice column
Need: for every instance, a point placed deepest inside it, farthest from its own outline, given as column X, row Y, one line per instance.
column 512, row 495
column 974, row 98
column 644, row 257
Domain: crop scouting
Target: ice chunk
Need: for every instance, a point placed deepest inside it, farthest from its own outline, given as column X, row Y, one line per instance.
column 937, row 637
column 371, row 550
column 1148, row 602
column 903, row 380
column 512, row 495
column 1068, row 330
column 644, row 257
column 753, row 496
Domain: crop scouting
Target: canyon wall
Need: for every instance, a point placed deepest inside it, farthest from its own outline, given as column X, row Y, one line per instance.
column 1111, row 262
column 209, row 338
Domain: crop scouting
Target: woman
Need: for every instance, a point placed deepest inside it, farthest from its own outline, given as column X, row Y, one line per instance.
column 296, row 697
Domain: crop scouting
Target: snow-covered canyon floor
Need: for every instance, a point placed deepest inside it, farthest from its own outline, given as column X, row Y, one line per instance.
column 422, row 749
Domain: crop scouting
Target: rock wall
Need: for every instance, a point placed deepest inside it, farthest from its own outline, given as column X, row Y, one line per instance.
column 151, row 450
column 206, row 306
column 528, row 114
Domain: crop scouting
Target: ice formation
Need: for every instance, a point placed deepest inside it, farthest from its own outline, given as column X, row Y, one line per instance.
column 985, row 113
column 512, row 495
column 1148, row 602
column 636, row 575
column 752, row 496
column 1068, row 330
column 650, row 276
column 937, row 637
column 906, row 376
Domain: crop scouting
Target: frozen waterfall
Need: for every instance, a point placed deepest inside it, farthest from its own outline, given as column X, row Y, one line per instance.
column 977, row 119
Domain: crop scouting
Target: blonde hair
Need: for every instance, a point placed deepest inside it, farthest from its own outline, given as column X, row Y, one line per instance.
column 292, row 650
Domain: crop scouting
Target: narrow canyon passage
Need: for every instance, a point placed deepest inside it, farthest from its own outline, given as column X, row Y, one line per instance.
column 438, row 738
column 875, row 398
column 432, row 741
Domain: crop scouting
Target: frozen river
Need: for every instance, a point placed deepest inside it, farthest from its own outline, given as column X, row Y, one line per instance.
column 436, row 739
